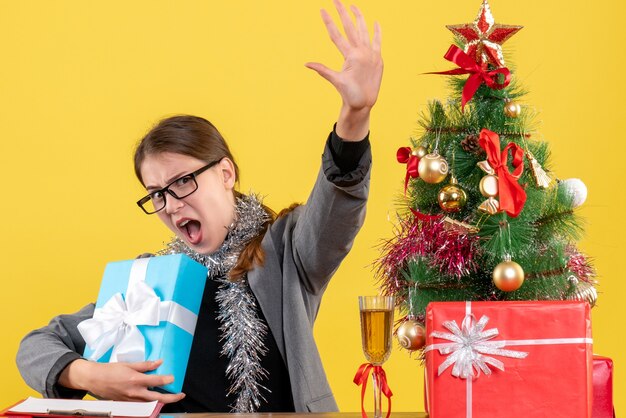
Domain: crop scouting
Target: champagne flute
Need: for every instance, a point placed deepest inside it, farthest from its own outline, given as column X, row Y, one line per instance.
column 376, row 332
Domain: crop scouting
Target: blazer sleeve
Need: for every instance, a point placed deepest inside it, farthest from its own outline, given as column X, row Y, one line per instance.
column 45, row 352
column 328, row 223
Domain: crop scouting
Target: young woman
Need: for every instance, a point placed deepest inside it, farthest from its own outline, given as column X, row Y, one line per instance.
column 253, row 349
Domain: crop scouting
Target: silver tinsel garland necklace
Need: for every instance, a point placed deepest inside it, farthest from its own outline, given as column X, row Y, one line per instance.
column 243, row 332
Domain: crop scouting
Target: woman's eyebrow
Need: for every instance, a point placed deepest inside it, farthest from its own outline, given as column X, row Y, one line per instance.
column 171, row 179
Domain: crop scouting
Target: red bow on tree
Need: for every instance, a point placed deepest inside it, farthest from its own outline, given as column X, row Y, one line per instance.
column 478, row 74
column 404, row 155
column 360, row 379
column 511, row 194
column 424, row 217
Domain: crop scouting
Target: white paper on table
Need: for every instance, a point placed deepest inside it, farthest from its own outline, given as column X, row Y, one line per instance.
column 115, row 408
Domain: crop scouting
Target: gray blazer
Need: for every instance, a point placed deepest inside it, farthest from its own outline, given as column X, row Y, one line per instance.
column 302, row 251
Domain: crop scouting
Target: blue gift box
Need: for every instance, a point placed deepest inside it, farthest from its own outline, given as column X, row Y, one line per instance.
column 120, row 314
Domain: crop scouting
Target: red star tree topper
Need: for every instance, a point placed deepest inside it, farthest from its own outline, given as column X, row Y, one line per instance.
column 484, row 38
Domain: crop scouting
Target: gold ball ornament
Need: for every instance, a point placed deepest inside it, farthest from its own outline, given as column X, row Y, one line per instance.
column 451, row 197
column 419, row 152
column 512, row 109
column 489, row 186
column 583, row 291
column 411, row 335
column 433, row 168
column 508, row 276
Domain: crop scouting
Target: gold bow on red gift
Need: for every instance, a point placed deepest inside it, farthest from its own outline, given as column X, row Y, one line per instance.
column 360, row 379
column 478, row 73
column 405, row 155
column 511, row 194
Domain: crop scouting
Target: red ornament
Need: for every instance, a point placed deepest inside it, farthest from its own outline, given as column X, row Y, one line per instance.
column 484, row 38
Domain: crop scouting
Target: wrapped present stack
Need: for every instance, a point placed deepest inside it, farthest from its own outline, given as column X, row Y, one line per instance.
column 493, row 291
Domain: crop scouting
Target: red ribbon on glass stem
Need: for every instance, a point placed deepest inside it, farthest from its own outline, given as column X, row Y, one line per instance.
column 405, row 155
column 360, row 379
column 512, row 195
column 478, row 74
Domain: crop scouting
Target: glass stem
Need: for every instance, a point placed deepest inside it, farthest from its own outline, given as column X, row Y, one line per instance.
column 377, row 397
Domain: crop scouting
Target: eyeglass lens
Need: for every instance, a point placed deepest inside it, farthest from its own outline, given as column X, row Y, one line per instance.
column 181, row 188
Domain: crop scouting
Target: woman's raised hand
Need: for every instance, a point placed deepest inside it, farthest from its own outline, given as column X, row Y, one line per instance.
column 358, row 82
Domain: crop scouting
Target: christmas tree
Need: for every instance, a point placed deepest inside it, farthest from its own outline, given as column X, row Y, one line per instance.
column 483, row 217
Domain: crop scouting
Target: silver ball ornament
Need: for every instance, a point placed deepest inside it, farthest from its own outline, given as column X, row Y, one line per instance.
column 576, row 189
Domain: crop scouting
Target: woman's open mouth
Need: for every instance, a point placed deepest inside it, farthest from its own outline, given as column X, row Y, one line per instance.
column 191, row 230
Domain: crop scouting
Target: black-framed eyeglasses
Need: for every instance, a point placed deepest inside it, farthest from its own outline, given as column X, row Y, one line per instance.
column 179, row 189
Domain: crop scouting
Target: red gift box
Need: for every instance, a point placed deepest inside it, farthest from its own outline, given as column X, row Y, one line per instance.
column 521, row 359
column 603, row 387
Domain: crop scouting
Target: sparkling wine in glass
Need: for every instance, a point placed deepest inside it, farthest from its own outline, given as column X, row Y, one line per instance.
column 376, row 333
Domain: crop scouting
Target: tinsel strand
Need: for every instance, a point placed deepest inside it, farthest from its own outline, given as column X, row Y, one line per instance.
column 581, row 265
column 243, row 332
column 449, row 251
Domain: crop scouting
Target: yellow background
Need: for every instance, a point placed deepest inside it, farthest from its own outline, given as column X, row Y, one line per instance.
column 80, row 82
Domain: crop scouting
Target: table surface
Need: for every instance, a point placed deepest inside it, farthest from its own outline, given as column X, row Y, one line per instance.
column 298, row 415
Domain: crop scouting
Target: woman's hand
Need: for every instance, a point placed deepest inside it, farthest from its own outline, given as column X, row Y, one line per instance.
column 118, row 381
column 358, row 82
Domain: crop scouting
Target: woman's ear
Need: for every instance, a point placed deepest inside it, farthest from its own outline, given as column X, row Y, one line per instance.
column 227, row 170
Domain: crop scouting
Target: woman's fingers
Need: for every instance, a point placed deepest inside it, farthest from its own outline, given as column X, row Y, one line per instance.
column 323, row 70
column 358, row 81
column 143, row 382
column 155, row 380
column 145, row 366
column 146, row 394
column 125, row 381
column 363, row 34
column 151, row 395
column 356, row 36
column 377, row 41
column 150, row 380
column 334, row 33
column 346, row 21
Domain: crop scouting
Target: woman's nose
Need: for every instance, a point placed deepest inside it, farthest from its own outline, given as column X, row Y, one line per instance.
column 172, row 205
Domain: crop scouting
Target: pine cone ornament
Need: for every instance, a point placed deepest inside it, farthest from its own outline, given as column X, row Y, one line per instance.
column 471, row 146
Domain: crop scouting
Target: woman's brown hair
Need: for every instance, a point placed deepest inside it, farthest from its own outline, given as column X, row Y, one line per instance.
column 197, row 137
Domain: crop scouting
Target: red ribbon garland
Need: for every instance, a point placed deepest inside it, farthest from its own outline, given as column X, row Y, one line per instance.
column 360, row 379
column 511, row 194
column 478, row 74
column 404, row 155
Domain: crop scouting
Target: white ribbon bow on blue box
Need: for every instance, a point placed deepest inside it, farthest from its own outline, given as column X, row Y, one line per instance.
column 147, row 309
